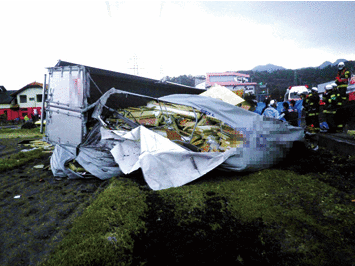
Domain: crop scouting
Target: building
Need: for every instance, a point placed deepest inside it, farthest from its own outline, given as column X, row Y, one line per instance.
column 25, row 101
column 236, row 82
column 6, row 101
column 5, row 98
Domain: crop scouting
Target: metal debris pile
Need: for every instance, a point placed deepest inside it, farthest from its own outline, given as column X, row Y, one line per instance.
column 181, row 124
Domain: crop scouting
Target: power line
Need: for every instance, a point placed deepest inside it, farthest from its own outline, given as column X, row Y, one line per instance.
column 135, row 67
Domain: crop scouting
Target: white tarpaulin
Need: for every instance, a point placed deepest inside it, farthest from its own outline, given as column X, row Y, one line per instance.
column 224, row 94
column 266, row 140
column 165, row 164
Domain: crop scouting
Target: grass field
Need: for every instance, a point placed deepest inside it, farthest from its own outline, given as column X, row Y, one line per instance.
column 271, row 217
column 7, row 133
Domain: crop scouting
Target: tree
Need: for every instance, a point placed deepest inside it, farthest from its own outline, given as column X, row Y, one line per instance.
column 183, row 80
column 311, row 76
column 278, row 81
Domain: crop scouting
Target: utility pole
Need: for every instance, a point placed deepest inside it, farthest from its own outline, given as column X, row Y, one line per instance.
column 135, row 65
column 295, row 79
column 161, row 71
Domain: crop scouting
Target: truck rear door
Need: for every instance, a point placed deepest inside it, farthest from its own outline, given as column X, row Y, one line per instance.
column 64, row 117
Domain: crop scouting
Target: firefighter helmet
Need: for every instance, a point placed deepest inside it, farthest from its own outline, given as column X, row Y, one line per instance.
column 341, row 65
column 314, row 89
column 328, row 87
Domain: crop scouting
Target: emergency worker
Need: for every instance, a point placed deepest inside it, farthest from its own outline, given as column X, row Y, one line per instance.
column 332, row 101
column 342, row 80
column 311, row 105
column 292, row 104
column 303, row 97
column 285, row 111
column 267, row 102
column 271, row 111
column 328, row 89
column 289, row 114
column 293, row 113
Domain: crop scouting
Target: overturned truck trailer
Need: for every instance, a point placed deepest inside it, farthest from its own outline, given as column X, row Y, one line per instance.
column 73, row 90
column 173, row 135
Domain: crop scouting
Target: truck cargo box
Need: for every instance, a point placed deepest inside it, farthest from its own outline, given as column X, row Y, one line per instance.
column 74, row 88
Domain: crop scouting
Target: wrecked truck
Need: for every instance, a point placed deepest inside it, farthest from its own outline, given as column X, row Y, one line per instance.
column 174, row 139
column 74, row 89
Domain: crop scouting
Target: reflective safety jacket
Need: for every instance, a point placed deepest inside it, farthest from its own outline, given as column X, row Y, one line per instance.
column 311, row 104
column 333, row 101
column 342, row 78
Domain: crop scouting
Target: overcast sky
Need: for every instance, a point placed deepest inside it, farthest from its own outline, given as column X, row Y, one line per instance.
column 162, row 38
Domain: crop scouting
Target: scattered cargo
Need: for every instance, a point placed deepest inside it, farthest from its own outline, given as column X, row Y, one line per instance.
column 179, row 123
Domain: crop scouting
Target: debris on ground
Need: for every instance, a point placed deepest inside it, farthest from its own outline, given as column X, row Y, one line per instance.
column 28, row 125
column 37, row 144
column 76, row 167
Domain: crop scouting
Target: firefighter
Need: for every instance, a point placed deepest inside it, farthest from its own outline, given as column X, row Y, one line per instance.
column 342, row 80
column 333, row 102
column 326, row 94
column 311, row 105
column 304, row 96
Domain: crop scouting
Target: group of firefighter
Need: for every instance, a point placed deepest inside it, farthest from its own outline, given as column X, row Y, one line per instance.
column 335, row 100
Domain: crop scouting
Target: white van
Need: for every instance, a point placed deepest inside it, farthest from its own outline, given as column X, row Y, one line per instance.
column 294, row 92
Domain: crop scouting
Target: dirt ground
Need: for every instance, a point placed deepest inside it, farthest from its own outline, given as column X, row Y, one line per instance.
column 36, row 207
column 9, row 146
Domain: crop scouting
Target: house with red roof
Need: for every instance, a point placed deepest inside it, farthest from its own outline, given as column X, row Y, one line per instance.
column 236, row 82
